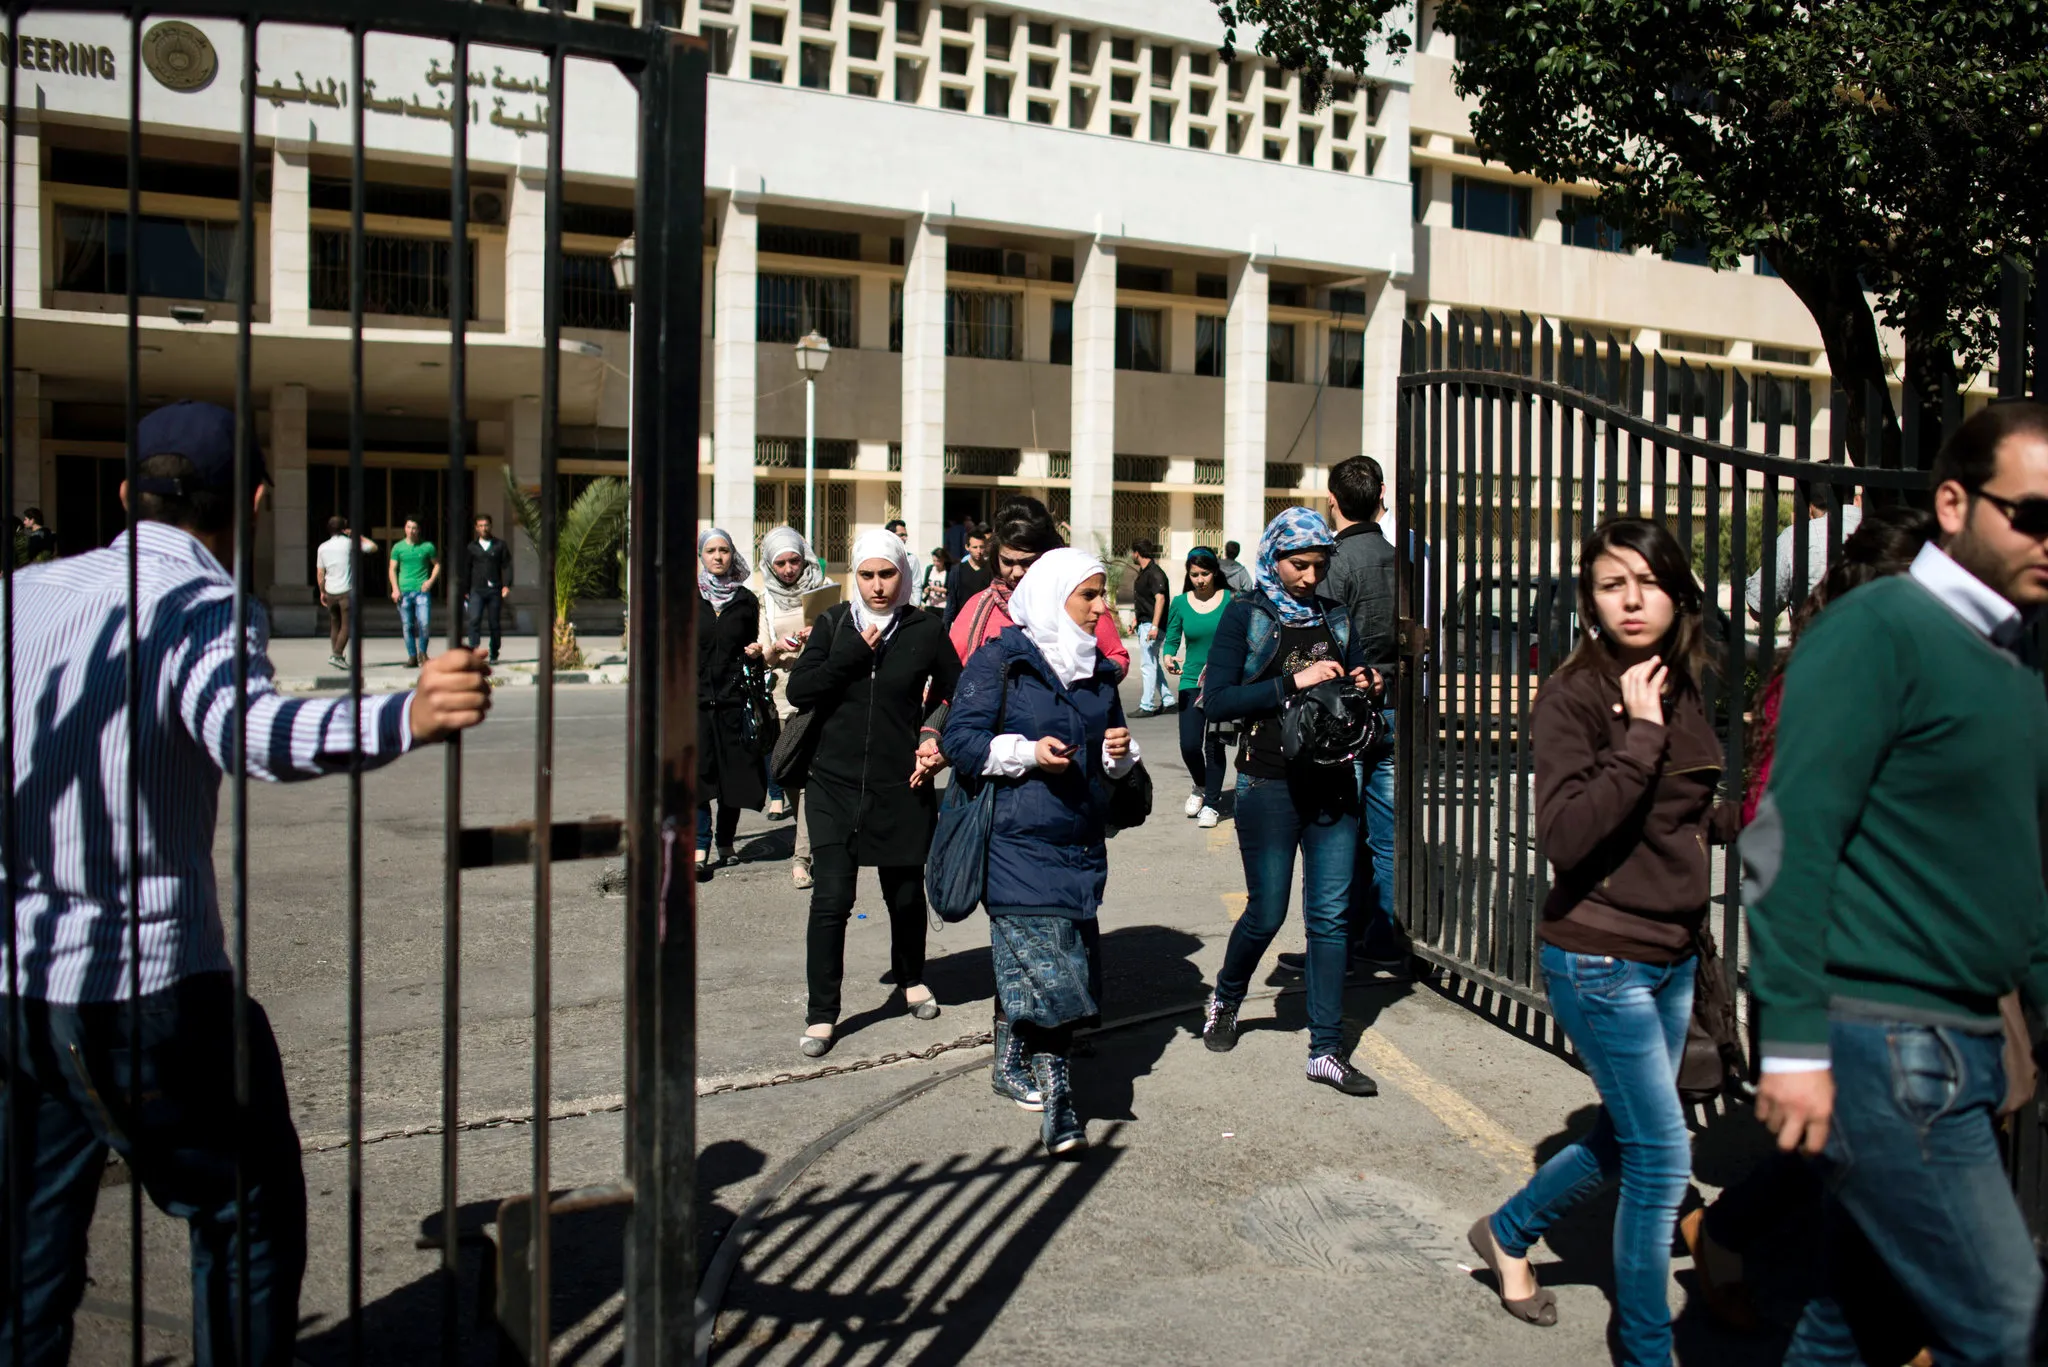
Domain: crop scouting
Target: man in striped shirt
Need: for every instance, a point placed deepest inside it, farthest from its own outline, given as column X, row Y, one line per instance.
column 77, row 1050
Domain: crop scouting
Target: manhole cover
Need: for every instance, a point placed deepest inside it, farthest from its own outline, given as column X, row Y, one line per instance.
column 1350, row 1223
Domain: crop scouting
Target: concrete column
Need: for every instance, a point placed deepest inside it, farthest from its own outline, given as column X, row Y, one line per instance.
column 872, row 315
column 30, row 488
column 733, row 380
column 924, row 379
column 291, row 575
column 1436, row 197
column 525, row 256
column 1386, row 310
column 1092, row 439
column 291, row 238
column 1180, row 341
column 1244, row 405
column 28, row 217
column 522, row 453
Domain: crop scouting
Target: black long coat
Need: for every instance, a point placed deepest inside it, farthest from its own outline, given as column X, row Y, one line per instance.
column 872, row 705
column 725, row 769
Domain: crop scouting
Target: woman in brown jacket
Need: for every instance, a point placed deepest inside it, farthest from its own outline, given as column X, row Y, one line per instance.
column 1628, row 775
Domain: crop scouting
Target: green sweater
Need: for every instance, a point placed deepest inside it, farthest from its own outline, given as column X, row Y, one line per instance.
column 1896, row 858
column 1184, row 623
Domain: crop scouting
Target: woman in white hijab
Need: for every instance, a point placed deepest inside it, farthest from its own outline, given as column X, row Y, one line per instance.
column 1037, row 713
column 878, row 673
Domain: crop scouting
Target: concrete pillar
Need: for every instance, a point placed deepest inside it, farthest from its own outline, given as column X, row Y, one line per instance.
column 291, row 238
column 1386, row 310
column 526, row 256
column 1436, row 197
column 1244, row 405
column 522, row 453
column 872, row 314
column 1092, row 438
column 28, row 216
column 924, row 379
column 733, row 380
column 1180, row 341
column 31, row 490
column 291, row 575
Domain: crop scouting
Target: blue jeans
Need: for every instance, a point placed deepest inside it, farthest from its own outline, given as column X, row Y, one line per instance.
column 71, row 1072
column 1628, row 1021
column 1316, row 812
column 1912, row 1161
column 1201, row 751
column 1151, row 677
column 413, row 613
column 1372, row 898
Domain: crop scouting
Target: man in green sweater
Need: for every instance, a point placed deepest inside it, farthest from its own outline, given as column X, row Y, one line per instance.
column 1894, row 882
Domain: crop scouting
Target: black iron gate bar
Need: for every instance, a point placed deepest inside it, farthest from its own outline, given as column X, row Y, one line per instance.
column 670, row 71
column 1514, row 440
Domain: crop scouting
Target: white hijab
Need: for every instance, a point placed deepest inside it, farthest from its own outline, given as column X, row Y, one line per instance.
column 1039, row 605
column 879, row 545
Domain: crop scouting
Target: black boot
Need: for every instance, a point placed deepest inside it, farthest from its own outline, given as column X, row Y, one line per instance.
column 1061, row 1127
column 1010, row 1074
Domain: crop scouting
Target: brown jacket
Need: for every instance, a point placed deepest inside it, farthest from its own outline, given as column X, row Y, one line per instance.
column 1625, row 810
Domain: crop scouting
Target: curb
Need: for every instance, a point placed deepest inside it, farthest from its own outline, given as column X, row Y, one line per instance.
column 338, row 683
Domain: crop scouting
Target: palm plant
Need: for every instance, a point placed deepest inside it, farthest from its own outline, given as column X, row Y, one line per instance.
column 587, row 540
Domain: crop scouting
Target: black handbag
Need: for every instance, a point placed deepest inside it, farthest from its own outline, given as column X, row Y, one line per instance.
column 761, row 725
column 1714, row 1054
column 1130, row 799
column 1331, row 724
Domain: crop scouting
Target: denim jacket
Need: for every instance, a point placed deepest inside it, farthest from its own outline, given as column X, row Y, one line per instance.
column 1247, row 639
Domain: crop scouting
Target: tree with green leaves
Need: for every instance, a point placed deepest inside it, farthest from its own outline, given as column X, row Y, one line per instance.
column 1882, row 155
column 588, row 537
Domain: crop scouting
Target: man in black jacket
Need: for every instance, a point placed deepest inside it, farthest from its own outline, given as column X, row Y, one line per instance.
column 1363, row 578
column 486, row 582
column 970, row 575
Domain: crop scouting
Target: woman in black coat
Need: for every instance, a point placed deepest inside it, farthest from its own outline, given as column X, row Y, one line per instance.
column 878, row 674
column 728, row 628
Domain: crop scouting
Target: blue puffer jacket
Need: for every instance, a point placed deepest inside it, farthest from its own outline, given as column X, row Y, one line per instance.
column 1046, row 855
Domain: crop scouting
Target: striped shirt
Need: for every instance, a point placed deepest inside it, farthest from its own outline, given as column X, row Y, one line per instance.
column 70, row 732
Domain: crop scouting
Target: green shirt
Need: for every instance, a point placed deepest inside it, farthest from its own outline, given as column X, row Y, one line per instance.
column 1187, row 623
column 1896, row 857
column 414, row 564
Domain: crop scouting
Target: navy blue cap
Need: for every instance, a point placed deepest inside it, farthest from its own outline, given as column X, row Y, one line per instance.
column 203, row 433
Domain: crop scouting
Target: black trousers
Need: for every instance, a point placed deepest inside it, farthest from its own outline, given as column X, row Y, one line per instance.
column 480, row 605
column 834, row 876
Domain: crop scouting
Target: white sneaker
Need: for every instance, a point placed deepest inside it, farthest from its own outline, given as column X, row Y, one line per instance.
column 1208, row 818
column 1192, row 806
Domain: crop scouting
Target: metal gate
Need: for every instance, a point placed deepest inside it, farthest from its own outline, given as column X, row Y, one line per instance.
column 1514, row 441
column 552, row 54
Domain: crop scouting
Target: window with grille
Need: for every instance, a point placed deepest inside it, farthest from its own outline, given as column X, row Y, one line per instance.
column 1137, row 517
column 1283, row 475
column 1347, row 359
column 892, row 493
column 1278, row 504
column 1060, row 503
column 406, row 277
column 1209, row 518
column 1059, row 464
column 788, row 306
column 1209, row 472
column 591, row 297
column 983, row 324
column 1209, row 343
column 787, row 453
column 838, row 520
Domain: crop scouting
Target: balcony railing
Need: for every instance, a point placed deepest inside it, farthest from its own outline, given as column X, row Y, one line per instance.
column 1139, row 469
column 1209, row 472
column 983, row 460
column 1283, row 476
column 787, row 453
column 403, row 277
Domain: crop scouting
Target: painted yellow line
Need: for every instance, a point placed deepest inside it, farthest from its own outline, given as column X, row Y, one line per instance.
column 1459, row 1116
column 1233, row 903
column 1221, row 838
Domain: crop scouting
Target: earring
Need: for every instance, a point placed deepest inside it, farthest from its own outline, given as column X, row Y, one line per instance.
column 1594, row 632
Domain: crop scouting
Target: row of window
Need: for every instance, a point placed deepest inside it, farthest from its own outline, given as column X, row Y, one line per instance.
column 1493, row 206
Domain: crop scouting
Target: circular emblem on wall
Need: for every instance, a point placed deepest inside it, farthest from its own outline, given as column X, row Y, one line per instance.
column 179, row 56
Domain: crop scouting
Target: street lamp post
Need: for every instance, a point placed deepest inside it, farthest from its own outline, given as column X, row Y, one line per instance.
column 812, row 352
column 622, row 276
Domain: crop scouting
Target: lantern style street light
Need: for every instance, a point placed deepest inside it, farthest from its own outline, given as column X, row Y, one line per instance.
column 812, row 352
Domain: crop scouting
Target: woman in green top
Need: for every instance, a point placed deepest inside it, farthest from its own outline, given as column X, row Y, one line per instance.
column 1190, row 627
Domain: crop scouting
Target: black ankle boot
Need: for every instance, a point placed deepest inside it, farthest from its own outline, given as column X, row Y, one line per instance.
column 1061, row 1127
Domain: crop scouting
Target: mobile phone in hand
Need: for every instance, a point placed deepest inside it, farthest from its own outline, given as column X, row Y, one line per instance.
column 1064, row 751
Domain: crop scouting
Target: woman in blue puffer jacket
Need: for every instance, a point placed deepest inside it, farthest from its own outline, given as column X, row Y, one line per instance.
column 1036, row 713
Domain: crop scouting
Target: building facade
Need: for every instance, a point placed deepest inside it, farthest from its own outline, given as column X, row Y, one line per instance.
column 1062, row 249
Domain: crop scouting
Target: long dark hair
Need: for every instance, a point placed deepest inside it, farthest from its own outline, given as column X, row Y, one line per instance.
column 1206, row 558
column 1684, row 649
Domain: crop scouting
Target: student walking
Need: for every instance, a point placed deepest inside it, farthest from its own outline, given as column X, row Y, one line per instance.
column 728, row 644
column 880, row 672
column 1149, row 593
column 1236, row 577
column 75, row 1045
column 931, row 582
column 1191, row 624
column 970, row 574
column 334, row 577
column 1893, row 879
column 1037, row 714
column 1023, row 531
column 486, row 583
column 414, row 568
column 1628, row 770
column 790, row 574
column 1271, row 644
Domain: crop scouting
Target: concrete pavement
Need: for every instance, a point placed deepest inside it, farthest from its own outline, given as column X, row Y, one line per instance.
column 1229, row 1209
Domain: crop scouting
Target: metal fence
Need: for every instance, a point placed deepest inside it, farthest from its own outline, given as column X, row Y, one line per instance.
column 1514, row 441
column 667, row 73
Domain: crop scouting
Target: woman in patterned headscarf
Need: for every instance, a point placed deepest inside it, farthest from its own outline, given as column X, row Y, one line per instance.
column 1273, row 643
column 728, row 625
column 789, row 575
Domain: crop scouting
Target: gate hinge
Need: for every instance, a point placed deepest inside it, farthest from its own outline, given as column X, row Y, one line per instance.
column 1414, row 638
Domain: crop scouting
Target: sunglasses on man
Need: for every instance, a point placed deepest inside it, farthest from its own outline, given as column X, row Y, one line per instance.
column 2029, row 516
